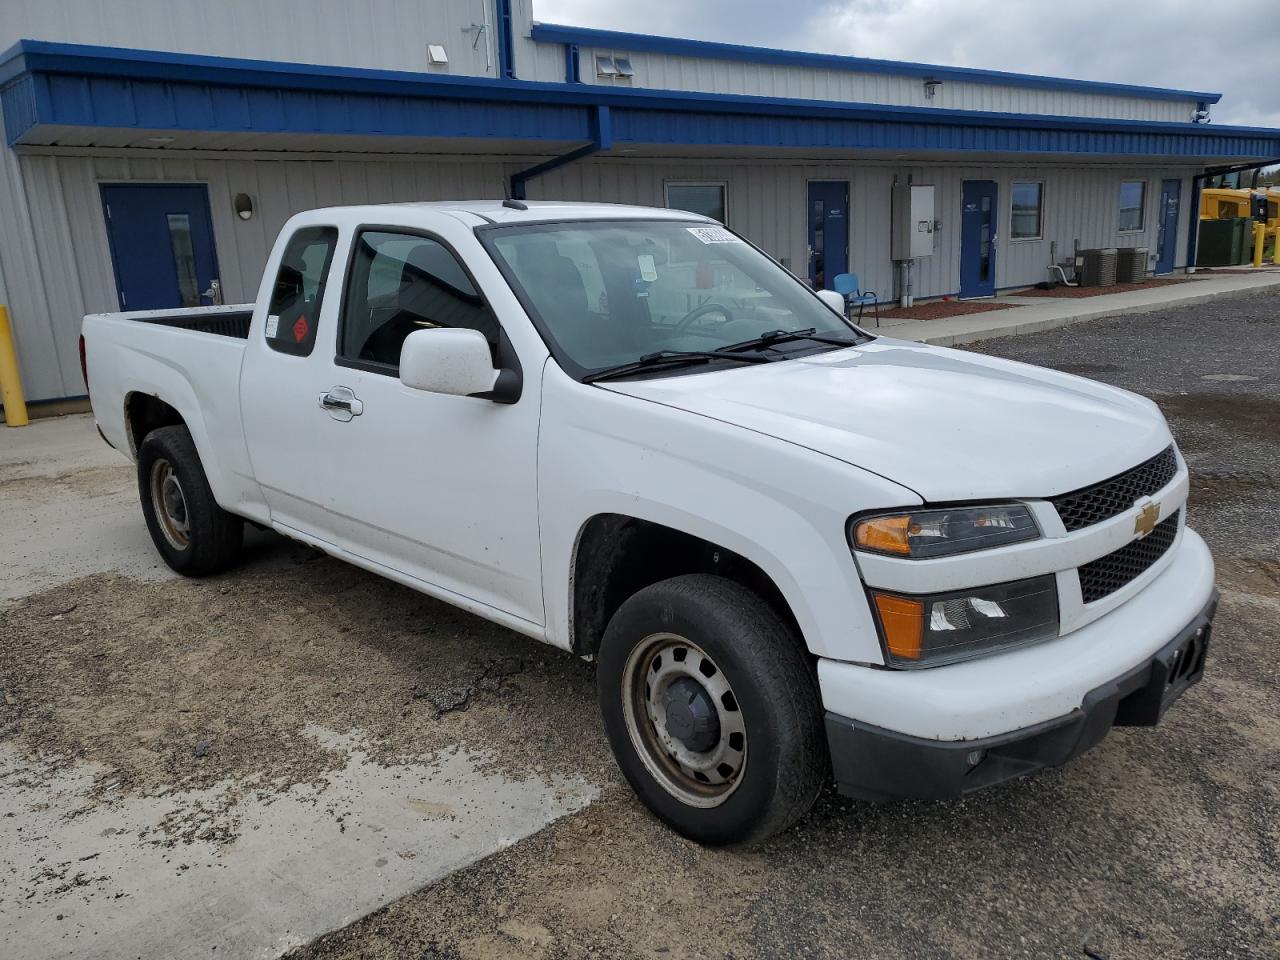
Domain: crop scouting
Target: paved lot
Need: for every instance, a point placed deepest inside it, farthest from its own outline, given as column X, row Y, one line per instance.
column 299, row 674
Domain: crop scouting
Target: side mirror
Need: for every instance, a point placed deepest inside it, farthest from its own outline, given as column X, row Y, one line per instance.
column 449, row 360
column 833, row 300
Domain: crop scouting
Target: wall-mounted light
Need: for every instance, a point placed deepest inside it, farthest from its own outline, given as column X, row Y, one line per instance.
column 243, row 206
column 931, row 87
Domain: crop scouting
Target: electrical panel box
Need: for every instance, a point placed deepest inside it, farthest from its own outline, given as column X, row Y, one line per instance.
column 911, row 233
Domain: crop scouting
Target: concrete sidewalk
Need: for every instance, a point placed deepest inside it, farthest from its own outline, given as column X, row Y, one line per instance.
column 1033, row 314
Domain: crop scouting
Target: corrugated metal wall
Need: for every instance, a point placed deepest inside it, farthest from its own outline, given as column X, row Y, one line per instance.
column 668, row 72
column 54, row 254
column 767, row 203
column 383, row 34
column 55, row 264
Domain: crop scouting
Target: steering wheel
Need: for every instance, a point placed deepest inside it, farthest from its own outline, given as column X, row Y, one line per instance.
column 697, row 313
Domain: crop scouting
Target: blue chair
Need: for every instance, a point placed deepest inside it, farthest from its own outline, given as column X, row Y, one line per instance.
column 846, row 284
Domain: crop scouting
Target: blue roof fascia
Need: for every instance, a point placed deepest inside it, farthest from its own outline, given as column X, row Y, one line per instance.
column 708, row 50
column 46, row 83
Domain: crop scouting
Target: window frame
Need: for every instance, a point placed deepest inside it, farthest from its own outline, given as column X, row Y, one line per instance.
column 326, row 274
column 1142, row 207
column 387, row 369
column 724, row 194
column 1013, row 188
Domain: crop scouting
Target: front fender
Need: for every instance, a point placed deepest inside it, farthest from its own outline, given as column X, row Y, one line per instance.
column 779, row 505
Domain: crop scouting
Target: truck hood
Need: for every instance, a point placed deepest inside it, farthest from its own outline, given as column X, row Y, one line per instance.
column 948, row 424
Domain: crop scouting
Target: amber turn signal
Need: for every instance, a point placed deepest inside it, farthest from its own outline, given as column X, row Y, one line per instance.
column 884, row 534
column 902, row 621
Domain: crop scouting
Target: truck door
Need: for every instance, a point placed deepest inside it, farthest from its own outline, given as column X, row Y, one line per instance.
column 441, row 489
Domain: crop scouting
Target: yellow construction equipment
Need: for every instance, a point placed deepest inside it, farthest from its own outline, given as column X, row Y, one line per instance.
column 15, row 407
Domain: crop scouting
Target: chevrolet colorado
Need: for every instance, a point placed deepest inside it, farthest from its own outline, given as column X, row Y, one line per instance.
column 793, row 548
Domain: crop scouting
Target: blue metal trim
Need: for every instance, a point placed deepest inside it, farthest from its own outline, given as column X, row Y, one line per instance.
column 506, row 41
column 87, row 60
column 674, row 46
column 72, row 85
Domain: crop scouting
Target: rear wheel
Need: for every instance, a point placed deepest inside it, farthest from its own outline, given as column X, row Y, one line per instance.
column 712, row 710
column 194, row 535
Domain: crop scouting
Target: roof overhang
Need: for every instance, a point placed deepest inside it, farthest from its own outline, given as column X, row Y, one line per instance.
column 59, row 94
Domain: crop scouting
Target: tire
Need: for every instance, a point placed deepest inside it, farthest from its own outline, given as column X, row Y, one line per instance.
column 659, row 724
column 193, row 534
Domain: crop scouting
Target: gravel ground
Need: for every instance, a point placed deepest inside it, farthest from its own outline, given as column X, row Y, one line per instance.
column 1159, row 843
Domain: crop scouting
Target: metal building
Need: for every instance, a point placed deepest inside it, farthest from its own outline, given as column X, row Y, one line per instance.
column 155, row 146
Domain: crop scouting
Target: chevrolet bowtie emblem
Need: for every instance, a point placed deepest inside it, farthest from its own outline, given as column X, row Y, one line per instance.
column 1145, row 521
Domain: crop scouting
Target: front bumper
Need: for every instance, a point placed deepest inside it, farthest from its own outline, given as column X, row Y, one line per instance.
column 872, row 763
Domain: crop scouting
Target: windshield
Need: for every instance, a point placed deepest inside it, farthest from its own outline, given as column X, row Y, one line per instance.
column 609, row 293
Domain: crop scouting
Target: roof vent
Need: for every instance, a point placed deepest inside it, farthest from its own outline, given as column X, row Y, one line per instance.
column 605, row 67
column 436, row 53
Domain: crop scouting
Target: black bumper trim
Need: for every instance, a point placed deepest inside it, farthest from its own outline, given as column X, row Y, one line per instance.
column 872, row 763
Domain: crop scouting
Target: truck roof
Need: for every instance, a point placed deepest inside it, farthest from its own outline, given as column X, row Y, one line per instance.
column 536, row 210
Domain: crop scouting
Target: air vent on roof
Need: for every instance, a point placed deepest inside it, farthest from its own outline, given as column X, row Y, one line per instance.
column 623, row 66
column 605, row 67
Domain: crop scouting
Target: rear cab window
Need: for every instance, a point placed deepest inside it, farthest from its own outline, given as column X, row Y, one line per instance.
column 294, row 313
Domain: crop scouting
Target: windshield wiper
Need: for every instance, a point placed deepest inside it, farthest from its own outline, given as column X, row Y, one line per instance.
column 665, row 358
column 770, row 337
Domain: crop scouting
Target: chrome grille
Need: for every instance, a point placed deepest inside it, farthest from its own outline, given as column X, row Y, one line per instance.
column 1102, row 501
column 1106, row 575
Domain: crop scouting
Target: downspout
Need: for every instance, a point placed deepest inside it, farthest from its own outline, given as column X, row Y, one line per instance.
column 602, row 139
column 1197, row 185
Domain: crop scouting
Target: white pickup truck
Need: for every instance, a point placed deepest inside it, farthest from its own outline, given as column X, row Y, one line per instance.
column 793, row 548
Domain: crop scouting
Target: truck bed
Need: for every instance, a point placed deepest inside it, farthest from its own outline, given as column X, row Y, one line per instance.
column 225, row 321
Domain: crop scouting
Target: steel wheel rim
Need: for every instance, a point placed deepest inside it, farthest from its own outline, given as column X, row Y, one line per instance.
column 699, row 778
column 170, row 503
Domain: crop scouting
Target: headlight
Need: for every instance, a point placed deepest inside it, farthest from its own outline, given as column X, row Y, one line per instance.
column 940, row 533
column 924, row 631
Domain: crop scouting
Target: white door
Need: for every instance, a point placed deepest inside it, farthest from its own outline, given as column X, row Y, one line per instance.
column 442, row 489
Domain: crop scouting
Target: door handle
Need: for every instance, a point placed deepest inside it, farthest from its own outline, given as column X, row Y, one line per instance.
column 341, row 403
column 214, row 293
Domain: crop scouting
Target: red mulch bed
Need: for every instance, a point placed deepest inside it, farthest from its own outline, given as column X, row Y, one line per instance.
column 1078, row 292
column 939, row 309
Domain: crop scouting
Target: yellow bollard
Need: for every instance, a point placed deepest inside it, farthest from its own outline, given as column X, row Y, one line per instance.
column 1275, row 253
column 15, row 407
column 1259, row 237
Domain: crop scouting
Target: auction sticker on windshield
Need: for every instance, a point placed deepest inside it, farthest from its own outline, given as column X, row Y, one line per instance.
column 713, row 235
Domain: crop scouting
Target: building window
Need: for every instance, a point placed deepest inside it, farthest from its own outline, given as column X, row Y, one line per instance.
column 707, row 199
column 1133, row 204
column 1026, row 223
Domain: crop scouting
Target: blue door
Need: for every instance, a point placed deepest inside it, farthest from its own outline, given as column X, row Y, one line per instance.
column 1166, row 245
column 161, row 244
column 828, row 231
column 978, row 239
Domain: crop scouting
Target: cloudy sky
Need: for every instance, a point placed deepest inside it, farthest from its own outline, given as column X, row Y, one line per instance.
column 1226, row 46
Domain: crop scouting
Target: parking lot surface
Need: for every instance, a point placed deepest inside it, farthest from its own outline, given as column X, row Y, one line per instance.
column 188, row 713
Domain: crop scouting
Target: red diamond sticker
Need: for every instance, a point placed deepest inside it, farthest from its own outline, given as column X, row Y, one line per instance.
column 300, row 329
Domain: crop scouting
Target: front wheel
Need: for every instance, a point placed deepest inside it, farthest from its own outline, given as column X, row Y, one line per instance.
column 712, row 710
column 194, row 535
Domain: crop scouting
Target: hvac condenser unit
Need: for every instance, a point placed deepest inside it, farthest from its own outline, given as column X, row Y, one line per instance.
column 1131, row 264
column 911, row 232
column 1097, row 268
